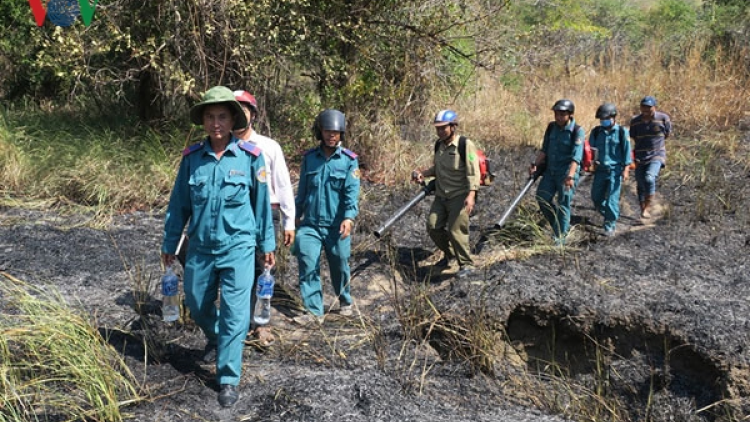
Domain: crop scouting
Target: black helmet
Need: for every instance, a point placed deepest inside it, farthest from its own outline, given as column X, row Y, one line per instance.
column 329, row 119
column 606, row 110
column 564, row 105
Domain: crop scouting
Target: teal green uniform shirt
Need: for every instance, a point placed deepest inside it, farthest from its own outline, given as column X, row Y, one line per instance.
column 613, row 147
column 226, row 200
column 562, row 147
column 328, row 190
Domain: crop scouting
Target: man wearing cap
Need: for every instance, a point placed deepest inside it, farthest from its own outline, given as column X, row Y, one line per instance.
column 649, row 130
column 221, row 191
column 279, row 187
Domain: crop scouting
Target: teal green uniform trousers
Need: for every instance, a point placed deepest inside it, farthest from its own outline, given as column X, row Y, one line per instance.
column 233, row 272
column 310, row 239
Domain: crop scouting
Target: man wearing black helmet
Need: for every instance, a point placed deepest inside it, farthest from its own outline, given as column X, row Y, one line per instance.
column 561, row 154
column 326, row 205
column 457, row 179
column 612, row 162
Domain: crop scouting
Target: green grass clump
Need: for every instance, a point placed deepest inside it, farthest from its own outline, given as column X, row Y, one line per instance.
column 103, row 164
column 54, row 362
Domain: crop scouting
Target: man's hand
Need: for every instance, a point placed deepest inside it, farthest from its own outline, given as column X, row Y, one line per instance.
column 346, row 228
column 541, row 158
column 469, row 201
column 417, row 176
column 270, row 260
column 288, row 237
column 168, row 259
column 626, row 173
column 569, row 182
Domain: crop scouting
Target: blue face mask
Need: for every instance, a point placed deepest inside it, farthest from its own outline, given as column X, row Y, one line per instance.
column 606, row 123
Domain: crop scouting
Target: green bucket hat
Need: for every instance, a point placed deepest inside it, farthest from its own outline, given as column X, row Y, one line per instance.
column 219, row 95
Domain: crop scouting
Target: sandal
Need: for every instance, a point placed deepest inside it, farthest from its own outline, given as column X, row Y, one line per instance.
column 264, row 336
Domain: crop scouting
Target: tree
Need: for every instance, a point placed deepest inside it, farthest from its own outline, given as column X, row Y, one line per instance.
column 159, row 56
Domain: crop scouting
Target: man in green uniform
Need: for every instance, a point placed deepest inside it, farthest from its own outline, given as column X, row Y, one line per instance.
column 221, row 190
column 612, row 143
column 326, row 206
column 457, row 177
column 561, row 155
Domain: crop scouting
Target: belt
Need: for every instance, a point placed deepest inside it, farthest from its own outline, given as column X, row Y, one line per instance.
column 275, row 207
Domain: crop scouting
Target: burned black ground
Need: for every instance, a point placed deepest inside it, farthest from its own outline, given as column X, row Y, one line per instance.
column 654, row 320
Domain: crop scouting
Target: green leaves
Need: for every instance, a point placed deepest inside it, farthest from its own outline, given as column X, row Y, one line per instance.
column 159, row 56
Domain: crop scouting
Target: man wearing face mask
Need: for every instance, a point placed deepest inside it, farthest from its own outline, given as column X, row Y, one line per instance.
column 612, row 161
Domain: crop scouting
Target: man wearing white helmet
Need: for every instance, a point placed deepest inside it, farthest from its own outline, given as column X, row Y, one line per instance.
column 279, row 186
column 457, row 178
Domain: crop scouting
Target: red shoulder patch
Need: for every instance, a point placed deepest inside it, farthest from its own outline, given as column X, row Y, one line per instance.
column 192, row 148
column 252, row 149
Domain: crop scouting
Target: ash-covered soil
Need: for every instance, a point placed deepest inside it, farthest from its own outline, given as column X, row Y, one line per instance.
column 649, row 325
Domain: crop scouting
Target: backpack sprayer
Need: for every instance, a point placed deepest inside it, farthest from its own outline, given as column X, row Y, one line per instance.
column 537, row 174
column 427, row 189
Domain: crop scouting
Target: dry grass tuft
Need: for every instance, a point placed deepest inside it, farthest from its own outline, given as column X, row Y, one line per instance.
column 55, row 362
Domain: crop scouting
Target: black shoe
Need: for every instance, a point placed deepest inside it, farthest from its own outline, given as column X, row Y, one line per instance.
column 228, row 395
column 443, row 263
column 209, row 353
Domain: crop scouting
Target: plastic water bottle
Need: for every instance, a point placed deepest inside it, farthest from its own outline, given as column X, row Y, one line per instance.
column 264, row 292
column 170, row 289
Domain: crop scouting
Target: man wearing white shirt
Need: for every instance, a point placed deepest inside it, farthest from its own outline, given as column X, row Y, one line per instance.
column 279, row 185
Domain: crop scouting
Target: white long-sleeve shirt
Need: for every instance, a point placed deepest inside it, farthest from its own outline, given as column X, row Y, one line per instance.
column 279, row 182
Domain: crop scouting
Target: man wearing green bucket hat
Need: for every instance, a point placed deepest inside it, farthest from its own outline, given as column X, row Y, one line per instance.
column 221, row 194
